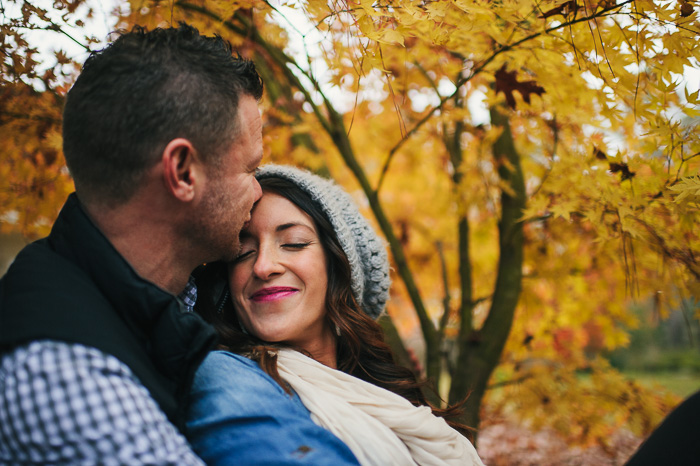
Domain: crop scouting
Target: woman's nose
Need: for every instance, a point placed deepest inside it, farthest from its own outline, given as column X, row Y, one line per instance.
column 267, row 264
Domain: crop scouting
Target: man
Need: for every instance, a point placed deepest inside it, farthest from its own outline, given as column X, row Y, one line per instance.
column 674, row 441
column 162, row 136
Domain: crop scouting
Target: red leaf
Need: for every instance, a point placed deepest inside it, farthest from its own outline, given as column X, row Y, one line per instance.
column 623, row 169
column 686, row 9
column 565, row 9
column 599, row 154
column 507, row 82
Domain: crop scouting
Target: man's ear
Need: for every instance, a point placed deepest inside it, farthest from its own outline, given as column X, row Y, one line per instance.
column 181, row 170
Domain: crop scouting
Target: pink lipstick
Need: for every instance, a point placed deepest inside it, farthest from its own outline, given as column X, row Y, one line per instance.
column 272, row 293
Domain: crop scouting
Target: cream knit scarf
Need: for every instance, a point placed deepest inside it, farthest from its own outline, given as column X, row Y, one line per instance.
column 380, row 427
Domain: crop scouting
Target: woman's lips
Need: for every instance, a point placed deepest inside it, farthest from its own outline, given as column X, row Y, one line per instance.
column 272, row 293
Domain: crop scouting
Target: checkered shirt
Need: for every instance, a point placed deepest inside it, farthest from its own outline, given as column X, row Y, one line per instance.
column 189, row 294
column 64, row 403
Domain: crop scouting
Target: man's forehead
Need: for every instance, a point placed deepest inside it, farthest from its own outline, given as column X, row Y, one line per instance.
column 250, row 114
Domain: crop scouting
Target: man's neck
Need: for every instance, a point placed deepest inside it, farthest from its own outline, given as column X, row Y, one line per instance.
column 145, row 239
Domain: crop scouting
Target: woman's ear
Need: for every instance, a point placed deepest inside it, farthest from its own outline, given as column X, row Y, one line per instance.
column 181, row 169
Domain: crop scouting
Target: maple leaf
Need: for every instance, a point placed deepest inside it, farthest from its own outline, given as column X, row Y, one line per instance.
column 507, row 82
column 565, row 9
column 688, row 189
column 686, row 9
column 599, row 154
column 624, row 170
column 562, row 210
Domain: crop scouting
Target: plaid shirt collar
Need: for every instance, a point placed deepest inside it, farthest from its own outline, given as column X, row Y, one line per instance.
column 189, row 295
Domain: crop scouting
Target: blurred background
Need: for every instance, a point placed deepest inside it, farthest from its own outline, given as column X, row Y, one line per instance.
column 533, row 167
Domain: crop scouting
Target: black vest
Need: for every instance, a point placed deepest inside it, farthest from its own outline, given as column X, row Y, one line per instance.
column 73, row 286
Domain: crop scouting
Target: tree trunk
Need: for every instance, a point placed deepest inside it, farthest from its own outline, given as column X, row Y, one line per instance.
column 394, row 340
column 479, row 351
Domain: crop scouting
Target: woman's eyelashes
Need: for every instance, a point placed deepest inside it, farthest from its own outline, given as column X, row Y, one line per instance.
column 242, row 255
column 299, row 245
column 248, row 251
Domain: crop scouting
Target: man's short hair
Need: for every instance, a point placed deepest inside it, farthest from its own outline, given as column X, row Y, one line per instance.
column 141, row 92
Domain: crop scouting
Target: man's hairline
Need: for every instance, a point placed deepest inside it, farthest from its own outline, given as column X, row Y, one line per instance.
column 214, row 162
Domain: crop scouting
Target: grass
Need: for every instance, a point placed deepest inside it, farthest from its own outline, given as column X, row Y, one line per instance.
column 681, row 383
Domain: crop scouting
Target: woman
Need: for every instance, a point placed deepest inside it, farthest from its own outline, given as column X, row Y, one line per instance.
column 310, row 278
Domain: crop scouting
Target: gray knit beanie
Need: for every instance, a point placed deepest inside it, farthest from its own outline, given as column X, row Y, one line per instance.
column 366, row 253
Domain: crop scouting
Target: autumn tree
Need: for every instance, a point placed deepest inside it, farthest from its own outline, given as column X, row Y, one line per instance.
column 533, row 167
column 33, row 179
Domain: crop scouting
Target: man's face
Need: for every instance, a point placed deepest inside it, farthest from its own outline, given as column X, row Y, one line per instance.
column 232, row 188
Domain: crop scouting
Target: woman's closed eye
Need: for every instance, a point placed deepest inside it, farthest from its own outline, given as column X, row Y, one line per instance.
column 243, row 255
column 248, row 251
column 296, row 245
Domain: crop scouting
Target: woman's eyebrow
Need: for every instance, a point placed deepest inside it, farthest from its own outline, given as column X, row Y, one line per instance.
column 286, row 226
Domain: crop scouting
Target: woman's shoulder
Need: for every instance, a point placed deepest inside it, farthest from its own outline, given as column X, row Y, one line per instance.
column 218, row 358
column 220, row 362
column 231, row 372
column 231, row 383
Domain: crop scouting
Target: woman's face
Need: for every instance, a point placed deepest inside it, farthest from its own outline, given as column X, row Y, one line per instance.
column 279, row 280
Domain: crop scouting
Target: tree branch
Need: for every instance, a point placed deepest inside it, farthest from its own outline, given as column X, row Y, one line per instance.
column 478, row 69
column 446, row 299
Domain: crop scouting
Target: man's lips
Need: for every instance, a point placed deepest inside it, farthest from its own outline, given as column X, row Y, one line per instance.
column 272, row 293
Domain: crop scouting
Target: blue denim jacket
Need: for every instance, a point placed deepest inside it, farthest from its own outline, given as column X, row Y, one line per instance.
column 239, row 415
